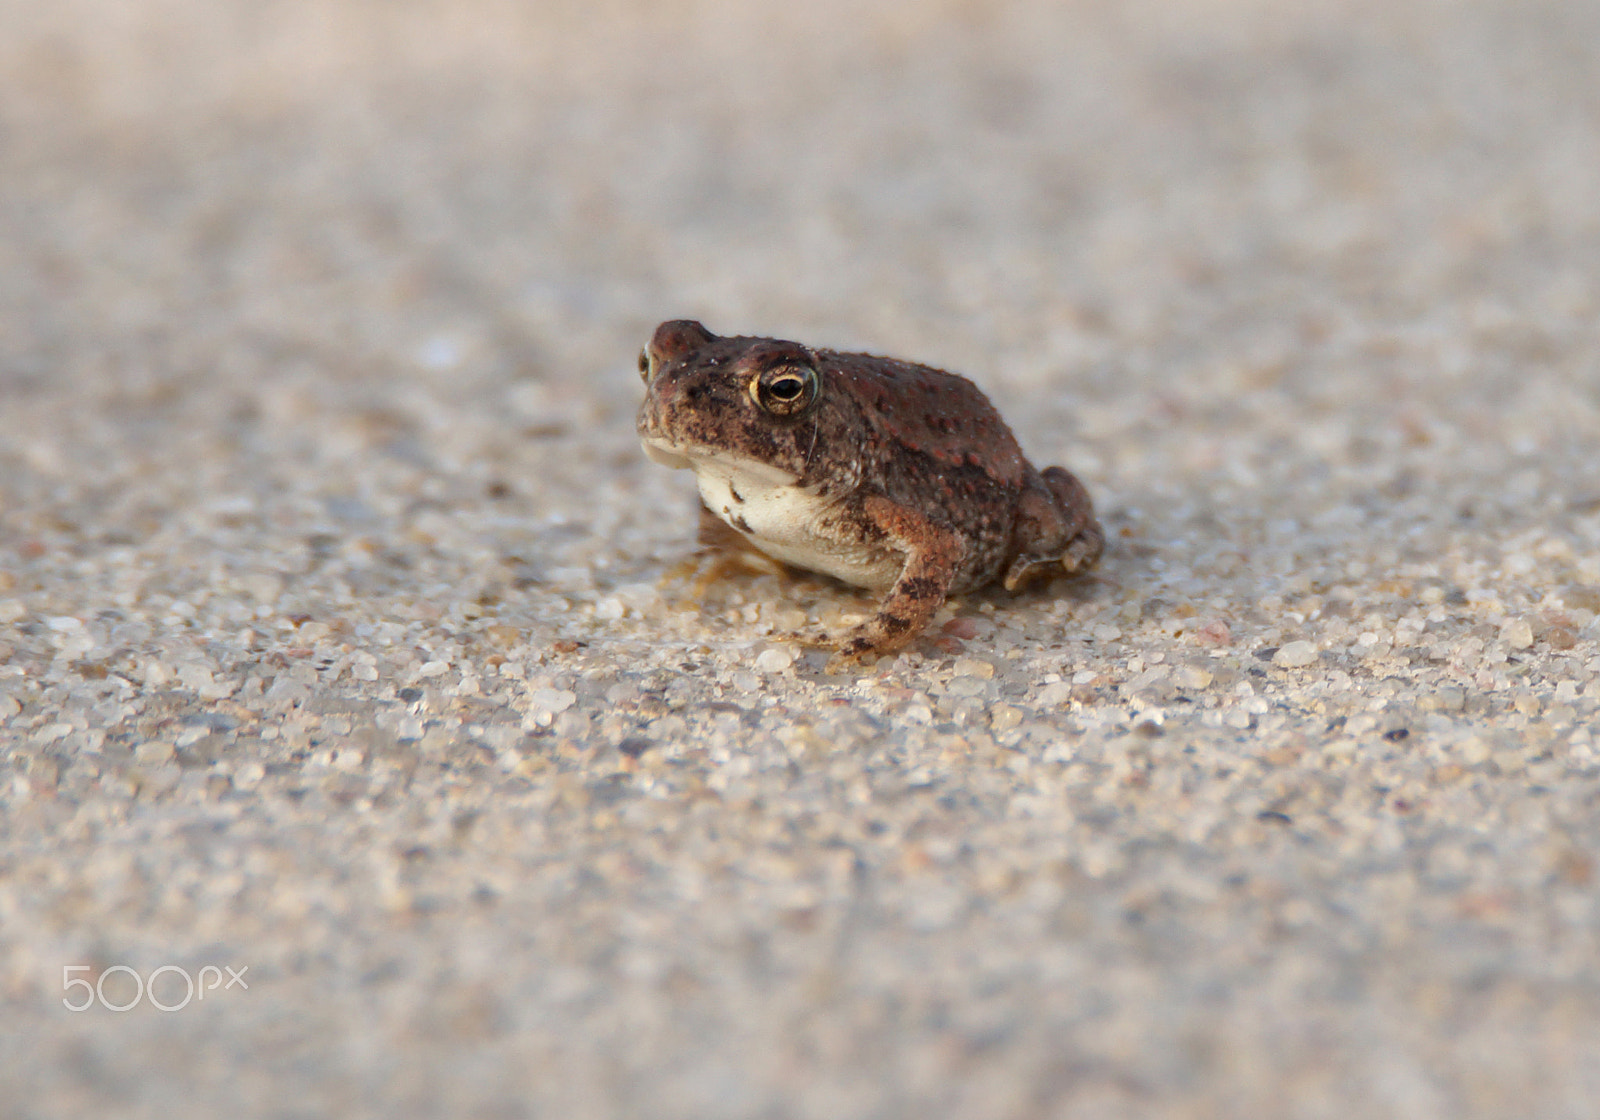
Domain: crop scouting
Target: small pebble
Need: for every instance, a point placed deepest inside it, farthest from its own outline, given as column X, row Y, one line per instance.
column 1518, row 634
column 551, row 700
column 347, row 759
column 153, row 753
column 1561, row 637
column 966, row 628
column 1054, row 695
column 965, row 686
column 1003, row 717
column 502, row 635
column 195, row 676
column 1295, row 655
column 972, row 667
column 773, row 660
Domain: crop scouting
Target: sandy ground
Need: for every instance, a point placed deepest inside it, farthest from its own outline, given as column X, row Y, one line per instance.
column 339, row 642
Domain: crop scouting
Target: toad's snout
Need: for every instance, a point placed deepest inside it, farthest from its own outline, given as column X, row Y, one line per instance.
column 655, row 433
column 657, row 447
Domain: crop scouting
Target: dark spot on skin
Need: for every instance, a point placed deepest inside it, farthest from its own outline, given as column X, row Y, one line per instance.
column 894, row 624
column 919, row 587
column 738, row 497
column 741, row 524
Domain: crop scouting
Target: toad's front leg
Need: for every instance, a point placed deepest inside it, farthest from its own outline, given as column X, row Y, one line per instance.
column 932, row 556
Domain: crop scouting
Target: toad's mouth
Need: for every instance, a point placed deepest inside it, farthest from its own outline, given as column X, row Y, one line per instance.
column 667, row 454
column 681, row 456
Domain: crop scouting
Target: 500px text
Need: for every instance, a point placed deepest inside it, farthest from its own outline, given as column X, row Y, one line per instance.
column 191, row 987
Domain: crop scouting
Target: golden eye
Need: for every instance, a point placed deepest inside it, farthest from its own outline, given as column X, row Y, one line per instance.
column 644, row 366
column 785, row 390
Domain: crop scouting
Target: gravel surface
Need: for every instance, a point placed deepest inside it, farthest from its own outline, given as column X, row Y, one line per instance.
column 345, row 638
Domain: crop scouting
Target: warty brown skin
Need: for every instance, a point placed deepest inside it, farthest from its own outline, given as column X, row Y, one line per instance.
column 887, row 474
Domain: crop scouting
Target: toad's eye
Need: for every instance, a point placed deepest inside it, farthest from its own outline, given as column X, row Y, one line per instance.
column 644, row 365
column 785, row 390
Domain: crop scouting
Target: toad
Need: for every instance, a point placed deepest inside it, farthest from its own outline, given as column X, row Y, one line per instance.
column 888, row 475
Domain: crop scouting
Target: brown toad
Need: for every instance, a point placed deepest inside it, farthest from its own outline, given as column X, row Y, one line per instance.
column 885, row 474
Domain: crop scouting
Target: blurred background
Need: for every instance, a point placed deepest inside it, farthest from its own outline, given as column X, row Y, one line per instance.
column 272, row 208
column 287, row 193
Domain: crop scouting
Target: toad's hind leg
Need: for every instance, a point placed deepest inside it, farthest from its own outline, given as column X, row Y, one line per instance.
column 1056, row 530
column 932, row 556
column 1088, row 538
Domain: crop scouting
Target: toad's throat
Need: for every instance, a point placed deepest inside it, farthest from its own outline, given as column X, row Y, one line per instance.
column 788, row 521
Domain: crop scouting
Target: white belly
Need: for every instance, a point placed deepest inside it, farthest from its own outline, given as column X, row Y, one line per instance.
column 788, row 522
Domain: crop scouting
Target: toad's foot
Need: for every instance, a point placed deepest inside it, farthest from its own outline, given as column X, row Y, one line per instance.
column 707, row 567
column 1085, row 549
column 722, row 553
